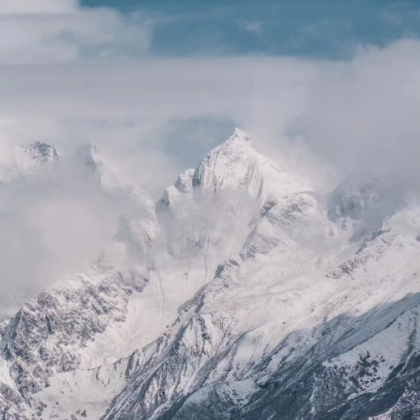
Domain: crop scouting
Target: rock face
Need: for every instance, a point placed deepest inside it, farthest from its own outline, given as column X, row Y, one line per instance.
column 245, row 295
column 49, row 333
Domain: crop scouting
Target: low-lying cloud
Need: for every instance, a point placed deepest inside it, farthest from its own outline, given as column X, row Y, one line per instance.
column 51, row 224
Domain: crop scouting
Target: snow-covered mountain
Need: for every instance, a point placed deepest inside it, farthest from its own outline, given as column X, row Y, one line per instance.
column 242, row 293
column 18, row 160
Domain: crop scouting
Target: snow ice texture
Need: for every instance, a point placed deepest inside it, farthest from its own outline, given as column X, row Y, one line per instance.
column 241, row 294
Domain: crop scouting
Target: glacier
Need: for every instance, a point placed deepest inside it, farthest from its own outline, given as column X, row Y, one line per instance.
column 242, row 293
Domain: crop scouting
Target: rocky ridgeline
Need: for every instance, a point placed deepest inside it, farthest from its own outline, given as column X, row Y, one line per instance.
column 299, row 306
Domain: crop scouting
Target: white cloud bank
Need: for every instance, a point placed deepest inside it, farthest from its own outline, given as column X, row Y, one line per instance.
column 61, row 31
column 352, row 114
column 26, row 7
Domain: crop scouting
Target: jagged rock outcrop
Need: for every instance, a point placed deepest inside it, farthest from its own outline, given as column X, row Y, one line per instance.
column 48, row 335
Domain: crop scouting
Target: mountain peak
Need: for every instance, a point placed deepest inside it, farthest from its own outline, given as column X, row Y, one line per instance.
column 42, row 151
column 239, row 135
column 231, row 166
column 38, row 151
column 23, row 160
column 353, row 197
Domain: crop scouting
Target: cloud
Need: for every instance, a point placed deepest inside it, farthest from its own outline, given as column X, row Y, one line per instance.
column 51, row 224
column 255, row 27
column 352, row 115
column 356, row 113
column 363, row 115
column 62, row 31
column 138, row 107
column 25, row 7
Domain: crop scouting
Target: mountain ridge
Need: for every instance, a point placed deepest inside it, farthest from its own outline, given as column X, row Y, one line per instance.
column 249, row 297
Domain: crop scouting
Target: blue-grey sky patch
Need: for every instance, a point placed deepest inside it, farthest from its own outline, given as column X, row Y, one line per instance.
column 325, row 28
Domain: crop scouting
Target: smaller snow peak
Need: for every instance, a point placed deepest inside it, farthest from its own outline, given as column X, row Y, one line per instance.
column 239, row 135
column 42, row 151
column 184, row 182
column 182, row 186
column 38, row 151
column 23, row 160
column 353, row 197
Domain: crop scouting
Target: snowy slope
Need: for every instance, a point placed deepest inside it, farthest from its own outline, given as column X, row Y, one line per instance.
column 242, row 293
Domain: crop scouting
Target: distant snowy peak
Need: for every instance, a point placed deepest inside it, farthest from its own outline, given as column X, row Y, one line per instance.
column 184, row 182
column 20, row 160
column 29, row 158
column 355, row 197
column 38, row 151
column 365, row 201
